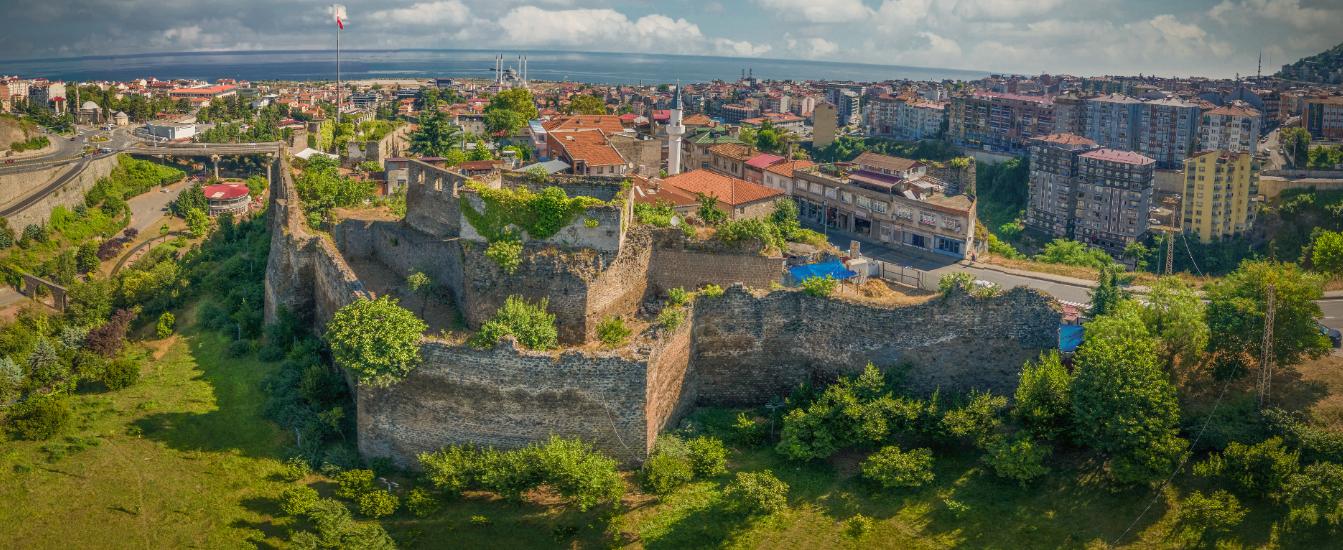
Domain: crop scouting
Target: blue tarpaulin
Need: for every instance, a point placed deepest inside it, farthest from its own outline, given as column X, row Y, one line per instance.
column 833, row 268
column 1070, row 338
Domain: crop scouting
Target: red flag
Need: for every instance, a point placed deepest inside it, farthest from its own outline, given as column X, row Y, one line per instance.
column 339, row 12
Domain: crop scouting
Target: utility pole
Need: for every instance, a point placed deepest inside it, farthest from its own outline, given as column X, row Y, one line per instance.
column 1266, row 357
column 1170, row 252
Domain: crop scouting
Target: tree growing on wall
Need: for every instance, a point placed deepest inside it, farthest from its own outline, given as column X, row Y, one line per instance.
column 376, row 339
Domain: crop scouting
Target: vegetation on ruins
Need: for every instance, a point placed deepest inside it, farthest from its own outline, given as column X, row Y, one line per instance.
column 569, row 467
column 376, row 339
column 820, row 286
column 507, row 210
column 322, row 188
column 529, row 322
column 613, row 331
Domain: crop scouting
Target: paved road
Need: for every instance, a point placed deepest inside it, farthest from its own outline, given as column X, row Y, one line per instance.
column 1078, row 292
column 149, row 209
column 55, row 185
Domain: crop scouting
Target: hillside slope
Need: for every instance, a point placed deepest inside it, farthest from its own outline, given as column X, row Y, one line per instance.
column 1325, row 67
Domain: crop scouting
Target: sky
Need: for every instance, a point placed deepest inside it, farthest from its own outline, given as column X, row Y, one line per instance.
column 1081, row 37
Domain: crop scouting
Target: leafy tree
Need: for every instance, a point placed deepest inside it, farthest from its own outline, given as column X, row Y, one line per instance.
column 890, row 467
column 1315, row 496
column 421, row 285
column 197, row 222
column 86, row 259
column 192, row 198
column 1137, row 252
column 756, row 493
column 977, row 419
column 377, row 339
column 1067, row 252
column 1203, row 517
column 708, row 211
column 1175, row 314
column 586, row 105
column 377, row 503
column 1327, row 253
column 1295, row 146
column 11, row 380
column 1107, row 294
column 45, row 368
column 120, row 373
column 533, row 327
column 1043, row 401
column 510, row 110
column 708, row 456
column 435, row 136
column 295, row 501
column 1123, row 404
column 1262, row 469
column 1236, row 305
column 668, row 467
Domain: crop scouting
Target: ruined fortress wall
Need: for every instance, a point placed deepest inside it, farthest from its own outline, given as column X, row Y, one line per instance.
column 678, row 263
column 669, row 395
column 619, row 288
column 403, row 250
column 507, row 397
column 599, row 228
column 431, row 199
column 562, row 277
column 746, row 348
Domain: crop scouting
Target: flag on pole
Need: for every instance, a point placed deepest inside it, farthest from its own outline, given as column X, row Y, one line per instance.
column 339, row 12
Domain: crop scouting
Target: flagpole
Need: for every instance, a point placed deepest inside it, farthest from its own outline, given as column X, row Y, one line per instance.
column 338, row 99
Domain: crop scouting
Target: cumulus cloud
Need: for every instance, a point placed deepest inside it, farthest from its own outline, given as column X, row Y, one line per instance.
column 443, row 12
column 608, row 29
column 818, row 11
column 811, row 48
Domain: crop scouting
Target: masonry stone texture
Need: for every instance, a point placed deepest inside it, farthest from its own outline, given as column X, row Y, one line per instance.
column 740, row 348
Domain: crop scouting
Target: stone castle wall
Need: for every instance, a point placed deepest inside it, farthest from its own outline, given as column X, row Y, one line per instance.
column 746, row 347
column 739, row 348
column 15, row 187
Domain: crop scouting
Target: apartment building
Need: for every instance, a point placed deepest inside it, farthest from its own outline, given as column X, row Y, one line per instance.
column 905, row 118
column 1114, row 192
column 1323, row 117
column 996, row 121
column 1232, row 128
column 1054, row 162
column 1219, row 197
column 872, row 201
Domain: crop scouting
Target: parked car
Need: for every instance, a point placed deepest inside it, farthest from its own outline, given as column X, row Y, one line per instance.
column 1334, row 335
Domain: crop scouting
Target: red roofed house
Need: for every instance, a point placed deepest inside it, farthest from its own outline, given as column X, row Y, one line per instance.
column 588, row 152
column 230, row 198
column 730, row 159
column 738, row 198
column 754, row 171
column 780, row 176
column 608, row 124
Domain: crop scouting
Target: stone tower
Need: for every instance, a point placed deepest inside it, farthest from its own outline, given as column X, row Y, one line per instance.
column 674, row 132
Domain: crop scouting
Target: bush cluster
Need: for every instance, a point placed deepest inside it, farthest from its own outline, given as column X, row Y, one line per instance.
column 533, row 327
column 569, row 467
column 756, row 493
column 675, row 462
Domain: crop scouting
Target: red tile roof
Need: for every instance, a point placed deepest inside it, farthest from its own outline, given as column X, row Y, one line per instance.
column 764, row 160
column 590, row 147
column 653, row 194
column 607, row 123
column 786, row 169
column 1067, row 139
column 697, row 120
column 224, row 191
column 1116, row 155
column 733, row 151
column 895, row 164
column 727, row 189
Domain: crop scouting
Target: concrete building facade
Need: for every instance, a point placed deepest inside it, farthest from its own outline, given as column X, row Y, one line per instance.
column 1220, row 187
column 1114, row 191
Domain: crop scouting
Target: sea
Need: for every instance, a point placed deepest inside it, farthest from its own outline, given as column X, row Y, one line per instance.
column 588, row 67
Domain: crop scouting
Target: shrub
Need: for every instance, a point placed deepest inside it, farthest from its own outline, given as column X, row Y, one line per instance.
column 756, row 493
column 858, row 527
column 1020, row 459
column 1262, row 469
column 377, row 339
column 890, row 467
column 708, row 456
column 120, row 373
column 671, row 317
column 977, row 419
column 378, row 503
column 480, row 521
column 746, row 431
column 296, row 501
column 613, row 331
column 164, row 328
column 575, row 470
column 820, row 286
column 668, row 468
column 956, row 283
column 1316, row 495
column 421, row 503
column 453, row 469
column 711, row 291
column 569, row 467
column 678, row 296
column 352, row 483
column 40, row 417
column 107, row 339
column 507, row 253
column 1203, row 517
column 295, row 469
column 529, row 323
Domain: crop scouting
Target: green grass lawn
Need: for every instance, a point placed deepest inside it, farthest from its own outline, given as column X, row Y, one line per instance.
column 181, row 459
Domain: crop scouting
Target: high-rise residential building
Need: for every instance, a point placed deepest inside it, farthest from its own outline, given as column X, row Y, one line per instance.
column 1232, row 128
column 1168, row 131
column 1054, row 161
column 905, row 118
column 823, row 125
column 999, row 121
column 1219, row 192
column 1114, row 192
column 1323, row 117
column 848, row 106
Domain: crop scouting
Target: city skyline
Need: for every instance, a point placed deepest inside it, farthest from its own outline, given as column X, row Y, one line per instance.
column 1204, row 38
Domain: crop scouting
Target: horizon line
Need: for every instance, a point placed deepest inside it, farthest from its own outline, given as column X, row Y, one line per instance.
column 520, row 50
